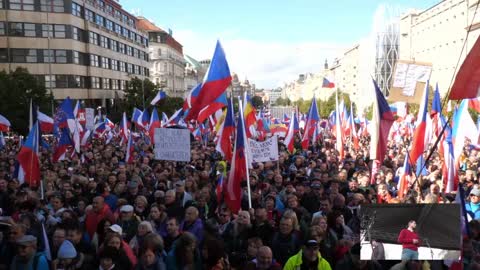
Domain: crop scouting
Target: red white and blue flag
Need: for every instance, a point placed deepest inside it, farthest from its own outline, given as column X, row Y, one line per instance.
column 210, row 109
column 312, row 121
column 45, row 121
column 60, row 152
column 154, row 123
column 419, row 138
column 467, row 84
column 64, row 117
column 215, row 83
column 238, row 169
column 404, row 181
column 327, row 84
column 226, row 132
column 28, row 159
column 124, row 132
column 4, row 124
column 383, row 120
column 290, row 138
column 160, row 95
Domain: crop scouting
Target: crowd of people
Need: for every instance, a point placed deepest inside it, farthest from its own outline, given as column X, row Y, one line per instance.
column 96, row 212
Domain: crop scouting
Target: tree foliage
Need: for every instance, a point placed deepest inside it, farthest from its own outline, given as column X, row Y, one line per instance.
column 257, row 102
column 134, row 94
column 283, row 102
column 16, row 90
column 325, row 107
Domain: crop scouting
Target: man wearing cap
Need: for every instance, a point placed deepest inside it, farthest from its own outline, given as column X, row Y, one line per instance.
column 128, row 222
column 473, row 206
column 308, row 258
column 182, row 196
column 27, row 256
column 67, row 257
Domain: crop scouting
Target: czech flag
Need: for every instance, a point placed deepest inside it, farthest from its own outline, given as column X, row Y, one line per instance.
column 28, row 159
column 404, row 178
column 217, row 104
column 224, row 144
column 339, row 127
column 160, row 95
column 45, row 121
column 449, row 172
column 418, row 142
column 4, row 124
column 216, row 81
column 238, row 169
column 290, row 138
column 383, row 119
column 467, row 84
column 327, row 84
column 63, row 144
column 154, row 123
column 312, row 121
column 64, row 116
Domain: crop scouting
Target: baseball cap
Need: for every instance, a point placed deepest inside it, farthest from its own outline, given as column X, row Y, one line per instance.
column 26, row 240
column 475, row 191
column 126, row 208
column 311, row 243
column 116, row 228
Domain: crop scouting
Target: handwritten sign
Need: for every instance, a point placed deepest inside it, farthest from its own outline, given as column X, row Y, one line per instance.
column 89, row 118
column 172, row 144
column 263, row 151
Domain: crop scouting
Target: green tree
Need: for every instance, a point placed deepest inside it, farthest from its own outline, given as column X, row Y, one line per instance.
column 16, row 90
column 283, row 102
column 134, row 94
column 169, row 105
column 257, row 102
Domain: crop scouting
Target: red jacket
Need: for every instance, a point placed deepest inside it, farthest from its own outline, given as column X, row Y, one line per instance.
column 406, row 239
column 93, row 218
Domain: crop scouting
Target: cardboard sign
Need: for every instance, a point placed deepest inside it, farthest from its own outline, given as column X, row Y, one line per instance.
column 408, row 82
column 263, row 151
column 172, row 144
column 89, row 118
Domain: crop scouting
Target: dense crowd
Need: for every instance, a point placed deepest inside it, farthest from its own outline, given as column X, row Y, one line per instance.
column 96, row 212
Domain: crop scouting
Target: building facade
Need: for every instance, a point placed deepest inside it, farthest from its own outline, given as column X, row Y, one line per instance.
column 194, row 72
column 85, row 49
column 437, row 35
column 167, row 60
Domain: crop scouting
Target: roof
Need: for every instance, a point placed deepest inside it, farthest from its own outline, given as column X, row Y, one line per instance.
column 192, row 61
column 146, row 25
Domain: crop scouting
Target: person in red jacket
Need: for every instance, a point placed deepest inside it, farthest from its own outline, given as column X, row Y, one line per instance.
column 100, row 210
column 410, row 241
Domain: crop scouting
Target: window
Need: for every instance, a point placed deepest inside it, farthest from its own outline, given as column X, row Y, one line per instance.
column 93, row 38
column 122, row 66
column 89, row 15
column 109, row 9
column 61, row 81
column 136, row 69
column 18, row 55
column 48, row 56
column 117, row 13
column 52, row 5
column 136, row 53
column 29, row 30
column 50, row 81
column 123, row 85
column 124, row 18
column 131, row 22
column 113, row 45
column 132, row 35
column 16, row 29
column 47, row 30
column 129, row 50
column 105, row 62
column 125, row 32
column 22, row 4
column 109, row 25
column 76, row 9
column 104, row 42
column 139, row 39
column 60, row 31
column 99, row 19
column 31, row 56
column 77, row 82
column 122, row 48
column 118, row 29
column 76, row 33
column 114, row 64
column 76, row 57
column 129, row 68
column 2, row 28
column 61, row 56
column 3, row 56
column 95, row 82
column 94, row 60
column 105, row 83
column 114, row 84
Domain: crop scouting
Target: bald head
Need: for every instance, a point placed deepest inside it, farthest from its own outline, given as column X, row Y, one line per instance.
column 97, row 203
column 264, row 257
column 191, row 214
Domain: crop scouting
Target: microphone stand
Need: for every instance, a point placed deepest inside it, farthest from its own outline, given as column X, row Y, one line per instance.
column 429, row 247
column 367, row 223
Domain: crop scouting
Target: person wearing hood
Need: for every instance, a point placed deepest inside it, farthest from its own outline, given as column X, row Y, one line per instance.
column 473, row 207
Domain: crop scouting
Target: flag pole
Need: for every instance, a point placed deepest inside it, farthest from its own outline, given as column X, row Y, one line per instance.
column 241, row 122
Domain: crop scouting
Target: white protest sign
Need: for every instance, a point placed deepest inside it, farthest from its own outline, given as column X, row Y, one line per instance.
column 263, row 151
column 172, row 144
column 89, row 118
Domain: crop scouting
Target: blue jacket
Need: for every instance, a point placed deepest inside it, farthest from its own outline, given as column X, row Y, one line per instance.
column 473, row 215
column 39, row 259
column 196, row 229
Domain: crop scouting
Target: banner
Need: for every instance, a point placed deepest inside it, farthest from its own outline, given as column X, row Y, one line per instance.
column 263, row 151
column 89, row 118
column 172, row 144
